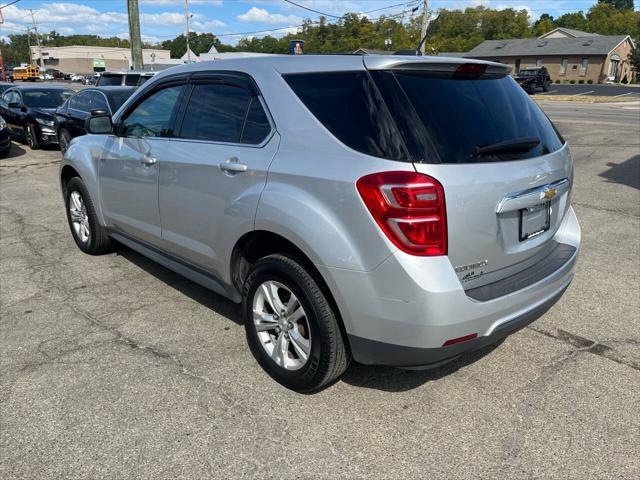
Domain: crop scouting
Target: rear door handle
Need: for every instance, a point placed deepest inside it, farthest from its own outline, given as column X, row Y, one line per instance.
column 231, row 165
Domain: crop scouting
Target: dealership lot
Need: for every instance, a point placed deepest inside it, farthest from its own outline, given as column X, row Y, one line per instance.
column 113, row 367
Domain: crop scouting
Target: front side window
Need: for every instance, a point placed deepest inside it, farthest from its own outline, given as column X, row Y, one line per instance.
column 153, row 116
column 216, row 112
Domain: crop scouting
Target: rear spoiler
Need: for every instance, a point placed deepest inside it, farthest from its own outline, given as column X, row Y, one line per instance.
column 441, row 65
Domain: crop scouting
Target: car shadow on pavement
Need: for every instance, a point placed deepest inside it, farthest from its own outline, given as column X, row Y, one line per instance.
column 16, row 151
column 389, row 379
column 625, row 173
column 200, row 294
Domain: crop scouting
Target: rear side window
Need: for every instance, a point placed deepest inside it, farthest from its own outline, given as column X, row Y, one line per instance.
column 110, row 80
column 99, row 102
column 349, row 105
column 131, row 80
column 257, row 127
column 216, row 113
column 460, row 114
column 80, row 101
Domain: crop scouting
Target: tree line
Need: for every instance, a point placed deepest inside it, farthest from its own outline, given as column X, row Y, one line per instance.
column 449, row 31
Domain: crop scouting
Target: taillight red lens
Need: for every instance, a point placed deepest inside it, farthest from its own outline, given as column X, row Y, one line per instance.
column 410, row 209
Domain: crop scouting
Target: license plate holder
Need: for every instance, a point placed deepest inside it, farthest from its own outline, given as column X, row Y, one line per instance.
column 534, row 220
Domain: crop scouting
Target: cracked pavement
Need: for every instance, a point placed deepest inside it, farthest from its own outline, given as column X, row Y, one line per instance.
column 114, row 367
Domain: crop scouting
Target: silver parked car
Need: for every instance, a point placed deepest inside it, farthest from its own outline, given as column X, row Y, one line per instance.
column 394, row 210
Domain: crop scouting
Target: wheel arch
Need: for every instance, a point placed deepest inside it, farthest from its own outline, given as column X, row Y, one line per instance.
column 257, row 244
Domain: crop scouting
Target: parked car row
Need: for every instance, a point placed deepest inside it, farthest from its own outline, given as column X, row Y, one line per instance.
column 54, row 115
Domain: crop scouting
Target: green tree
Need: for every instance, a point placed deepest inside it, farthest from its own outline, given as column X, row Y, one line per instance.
column 575, row 20
column 607, row 20
column 619, row 4
column 543, row 25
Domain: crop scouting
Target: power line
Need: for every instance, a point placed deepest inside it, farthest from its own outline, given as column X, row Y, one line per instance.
column 9, row 4
column 311, row 9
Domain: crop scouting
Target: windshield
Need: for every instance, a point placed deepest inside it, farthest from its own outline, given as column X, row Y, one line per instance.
column 527, row 73
column 45, row 98
column 110, row 80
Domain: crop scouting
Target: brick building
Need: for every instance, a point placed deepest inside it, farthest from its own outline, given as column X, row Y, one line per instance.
column 567, row 54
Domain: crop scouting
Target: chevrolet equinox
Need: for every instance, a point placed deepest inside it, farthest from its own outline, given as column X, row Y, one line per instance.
column 395, row 210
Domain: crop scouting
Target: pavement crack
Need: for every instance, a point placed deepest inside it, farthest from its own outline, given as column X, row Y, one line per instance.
column 582, row 344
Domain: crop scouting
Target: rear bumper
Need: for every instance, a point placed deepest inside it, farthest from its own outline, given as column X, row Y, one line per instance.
column 403, row 312
column 371, row 352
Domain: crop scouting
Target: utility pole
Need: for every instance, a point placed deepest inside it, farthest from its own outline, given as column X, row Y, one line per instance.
column 186, row 28
column 134, row 34
column 35, row 29
column 425, row 25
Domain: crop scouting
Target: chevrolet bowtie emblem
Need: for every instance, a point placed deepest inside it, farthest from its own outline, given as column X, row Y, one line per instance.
column 550, row 193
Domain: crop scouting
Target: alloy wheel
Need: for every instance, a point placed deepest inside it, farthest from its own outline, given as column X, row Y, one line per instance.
column 282, row 325
column 79, row 217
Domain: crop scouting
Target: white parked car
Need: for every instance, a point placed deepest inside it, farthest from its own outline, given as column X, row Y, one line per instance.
column 77, row 77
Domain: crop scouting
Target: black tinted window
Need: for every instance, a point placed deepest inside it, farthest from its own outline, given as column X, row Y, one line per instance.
column 350, row 107
column 131, row 80
column 215, row 112
column 99, row 102
column 459, row 115
column 152, row 117
column 257, row 126
column 110, row 80
column 117, row 99
column 46, row 98
column 80, row 101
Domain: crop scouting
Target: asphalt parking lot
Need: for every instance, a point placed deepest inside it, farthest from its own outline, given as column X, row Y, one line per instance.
column 113, row 367
column 601, row 90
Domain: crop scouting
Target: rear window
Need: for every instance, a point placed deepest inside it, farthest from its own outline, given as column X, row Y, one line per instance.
column 425, row 116
column 349, row 105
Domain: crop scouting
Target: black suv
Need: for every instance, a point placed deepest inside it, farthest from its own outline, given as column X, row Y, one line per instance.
column 532, row 78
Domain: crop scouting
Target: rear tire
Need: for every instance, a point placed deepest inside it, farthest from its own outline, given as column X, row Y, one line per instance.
column 63, row 140
column 86, row 230
column 310, row 352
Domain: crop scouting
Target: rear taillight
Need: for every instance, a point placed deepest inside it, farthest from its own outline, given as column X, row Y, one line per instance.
column 410, row 209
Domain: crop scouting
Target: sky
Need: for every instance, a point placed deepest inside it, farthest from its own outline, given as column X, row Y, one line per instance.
column 164, row 19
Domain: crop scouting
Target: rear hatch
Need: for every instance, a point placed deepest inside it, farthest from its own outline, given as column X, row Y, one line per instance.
column 505, row 169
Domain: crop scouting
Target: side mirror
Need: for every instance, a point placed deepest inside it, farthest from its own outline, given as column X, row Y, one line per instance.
column 99, row 124
column 99, row 113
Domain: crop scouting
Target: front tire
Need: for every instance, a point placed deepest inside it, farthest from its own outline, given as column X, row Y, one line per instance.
column 546, row 86
column 86, row 230
column 32, row 137
column 290, row 325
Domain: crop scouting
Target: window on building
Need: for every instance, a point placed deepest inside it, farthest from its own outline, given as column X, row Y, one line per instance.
column 563, row 66
column 517, row 69
column 583, row 66
column 538, row 62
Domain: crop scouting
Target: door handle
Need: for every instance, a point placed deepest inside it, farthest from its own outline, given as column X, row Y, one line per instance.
column 148, row 160
column 232, row 166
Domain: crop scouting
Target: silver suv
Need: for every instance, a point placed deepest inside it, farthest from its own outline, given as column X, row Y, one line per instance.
column 394, row 210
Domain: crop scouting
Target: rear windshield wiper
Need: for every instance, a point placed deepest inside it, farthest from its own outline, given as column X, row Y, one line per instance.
column 517, row 145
